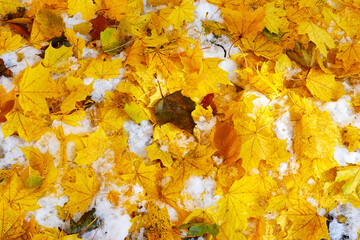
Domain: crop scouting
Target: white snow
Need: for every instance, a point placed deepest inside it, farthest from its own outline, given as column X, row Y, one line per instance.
column 47, row 215
column 10, row 152
column 83, row 129
column 140, row 136
column 101, row 86
column 343, row 156
column 115, row 223
column 199, row 192
column 340, row 111
column 49, row 143
column 350, row 228
column 283, row 128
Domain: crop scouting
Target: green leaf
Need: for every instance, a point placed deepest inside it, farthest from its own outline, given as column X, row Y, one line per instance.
column 87, row 221
column 33, row 181
column 273, row 36
column 199, row 229
column 176, row 108
column 112, row 40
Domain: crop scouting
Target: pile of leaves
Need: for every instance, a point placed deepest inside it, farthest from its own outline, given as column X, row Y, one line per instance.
column 297, row 54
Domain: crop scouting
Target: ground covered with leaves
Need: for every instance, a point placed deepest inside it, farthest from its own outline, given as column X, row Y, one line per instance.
column 225, row 119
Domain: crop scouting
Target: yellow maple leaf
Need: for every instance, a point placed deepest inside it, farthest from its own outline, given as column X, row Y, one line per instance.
column 9, row 42
column 95, row 145
column 28, row 126
column 196, row 162
column 159, row 226
column 324, row 86
column 103, row 69
column 316, row 136
column 11, row 221
column 35, row 86
column 78, row 43
column 236, row 206
column 44, row 164
column 306, row 222
column 10, row 6
column 275, row 18
column 78, row 92
column 116, row 9
column 318, row 35
column 243, row 23
column 352, row 137
column 351, row 176
column 56, row 58
column 349, row 53
column 176, row 15
column 86, row 7
column 262, row 46
column 80, row 184
column 258, row 141
column 146, row 176
column 18, row 196
column 206, row 80
column 154, row 152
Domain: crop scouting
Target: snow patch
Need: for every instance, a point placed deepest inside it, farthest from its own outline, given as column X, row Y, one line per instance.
column 284, row 130
column 337, row 230
column 340, row 111
column 10, row 152
column 199, row 193
column 47, row 215
column 343, row 156
column 140, row 136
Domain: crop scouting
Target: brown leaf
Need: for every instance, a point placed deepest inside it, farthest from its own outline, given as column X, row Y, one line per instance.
column 100, row 23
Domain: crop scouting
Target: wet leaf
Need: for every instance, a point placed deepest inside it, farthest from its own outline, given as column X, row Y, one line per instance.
column 176, row 108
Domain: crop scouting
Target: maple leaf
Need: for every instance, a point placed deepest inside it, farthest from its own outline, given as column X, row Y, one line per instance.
column 275, row 18
column 103, row 69
column 349, row 53
column 206, row 80
column 116, row 9
column 307, row 223
column 17, row 196
column 311, row 142
column 35, row 86
column 78, row 92
column 176, row 15
column 28, row 126
column 10, row 6
column 258, row 141
column 159, row 225
column 56, row 58
column 349, row 174
column 176, row 108
column 196, row 162
column 243, row 23
column 11, row 222
column 154, row 152
column 95, row 145
column 324, row 86
column 237, row 206
column 146, row 176
column 9, row 42
column 318, row 35
column 80, row 184
column 86, row 7
column 262, row 46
